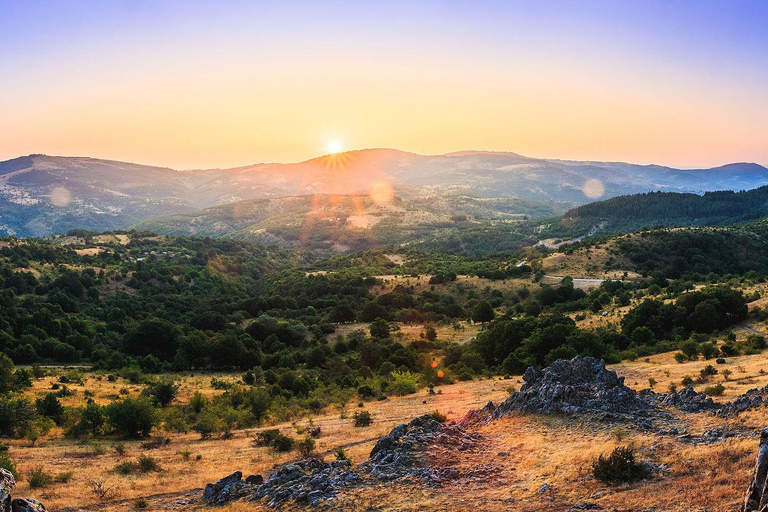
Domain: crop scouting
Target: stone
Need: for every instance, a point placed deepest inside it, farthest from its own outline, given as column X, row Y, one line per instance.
column 27, row 505
column 225, row 490
column 255, row 480
column 756, row 499
column 7, row 486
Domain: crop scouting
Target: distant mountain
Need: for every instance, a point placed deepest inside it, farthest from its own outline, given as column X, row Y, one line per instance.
column 40, row 194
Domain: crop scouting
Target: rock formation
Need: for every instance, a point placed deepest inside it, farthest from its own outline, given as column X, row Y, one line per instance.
column 577, row 387
column 756, row 498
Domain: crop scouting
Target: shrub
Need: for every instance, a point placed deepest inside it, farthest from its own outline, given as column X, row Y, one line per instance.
column 680, row 357
column 716, row 390
column 340, row 454
column 140, row 503
column 404, row 383
column 306, row 446
column 273, row 438
column 720, row 360
column 147, row 464
column 125, row 468
column 687, row 380
column 438, row 416
column 64, row 478
column 619, row 467
column 362, row 419
column 39, row 478
column 8, row 464
column 119, row 448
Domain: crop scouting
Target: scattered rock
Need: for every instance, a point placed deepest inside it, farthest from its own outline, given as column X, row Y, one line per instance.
column 576, row 387
column 586, row 506
column 7, row 486
column 309, row 481
column 544, row 488
column 687, row 399
column 27, row 505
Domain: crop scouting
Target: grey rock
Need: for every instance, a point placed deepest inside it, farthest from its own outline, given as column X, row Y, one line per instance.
column 7, row 486
column 756, row 497
column 225, row 490
column 577, row 387
column 254, row 480
column 27, row 505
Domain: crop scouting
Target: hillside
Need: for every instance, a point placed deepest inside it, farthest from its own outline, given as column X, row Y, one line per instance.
column 41, row 195
column 631, row 213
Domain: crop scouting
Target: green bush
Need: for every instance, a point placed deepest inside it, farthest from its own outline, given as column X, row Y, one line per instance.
column 39, row 478
column 716, row 390
column 125, row 468
column 362, row 419
column 306, row 446
column 619, row 467
column 403, row 383
column 147, row 464
column 273, row 438
column 438, row 416
column 8, row 464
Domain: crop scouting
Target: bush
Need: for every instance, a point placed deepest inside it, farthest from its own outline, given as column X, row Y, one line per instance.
column 680, row 357
column 362, row 419
column 64, row 478
column 716, row 390
column 273, row 438
column 619, row 467
column 404, row 383
column 147, row 464
column 8, row 464
column 438, row 416
column 39, row 478
column 340, row 454
column 306, row 446
column 125, row 468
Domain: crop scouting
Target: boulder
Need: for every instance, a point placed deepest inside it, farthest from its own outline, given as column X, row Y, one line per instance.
column 7, row 486
column 225, row 490
column 27, row 505
column 756, row 498
column 687, row 399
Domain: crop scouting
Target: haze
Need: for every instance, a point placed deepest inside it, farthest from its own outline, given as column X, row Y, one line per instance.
column 212, row 84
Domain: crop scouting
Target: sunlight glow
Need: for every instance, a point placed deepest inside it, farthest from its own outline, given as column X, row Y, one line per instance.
column 334, row 147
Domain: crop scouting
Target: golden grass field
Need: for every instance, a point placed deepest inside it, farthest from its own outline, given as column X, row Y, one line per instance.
column 551, row 450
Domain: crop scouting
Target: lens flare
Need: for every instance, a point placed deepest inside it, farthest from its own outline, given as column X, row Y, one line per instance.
column 440, row 374
column 60, row 197
column 382, row 192
column 593, row 189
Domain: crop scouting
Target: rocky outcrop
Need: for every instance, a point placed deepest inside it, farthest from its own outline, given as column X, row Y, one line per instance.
column 756, row 498
column 7, row 486
column 396, row 455
column 577, row 387
column 27, row 505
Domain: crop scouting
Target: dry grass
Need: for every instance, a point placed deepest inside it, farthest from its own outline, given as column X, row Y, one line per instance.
column 97, row 460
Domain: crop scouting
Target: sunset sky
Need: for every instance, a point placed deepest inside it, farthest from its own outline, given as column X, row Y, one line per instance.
column 193, row 84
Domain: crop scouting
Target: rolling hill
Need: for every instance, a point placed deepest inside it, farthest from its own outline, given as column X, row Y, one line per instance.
column 41, row 195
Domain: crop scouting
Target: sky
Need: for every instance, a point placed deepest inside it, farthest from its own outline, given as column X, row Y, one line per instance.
column 203, row 84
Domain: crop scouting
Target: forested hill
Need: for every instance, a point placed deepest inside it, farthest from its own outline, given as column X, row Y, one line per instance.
column 630, row 213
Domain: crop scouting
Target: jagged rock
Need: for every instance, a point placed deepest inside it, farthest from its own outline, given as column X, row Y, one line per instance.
column 756, row 498
column 27, row 505
column 687, row 399
column 396, row 454
column 7, row 486
column 227, row 489
column 309, row 480
column 579, row 386
column 477, row 416
column 254, row 480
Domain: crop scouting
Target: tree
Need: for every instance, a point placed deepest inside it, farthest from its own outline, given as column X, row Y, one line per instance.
column 7, row 379
column 379, row 328
column 50, row 407
column 162, row 392
column 430, row 333
column 133, row 417
column 483, row 312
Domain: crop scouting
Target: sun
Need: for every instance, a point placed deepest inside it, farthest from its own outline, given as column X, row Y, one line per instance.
column 334, row 147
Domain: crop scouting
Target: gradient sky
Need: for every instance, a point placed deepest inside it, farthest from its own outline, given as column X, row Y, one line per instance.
column 194, row 84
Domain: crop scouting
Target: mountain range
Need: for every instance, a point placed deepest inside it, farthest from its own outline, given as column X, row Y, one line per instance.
column 42, row 195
